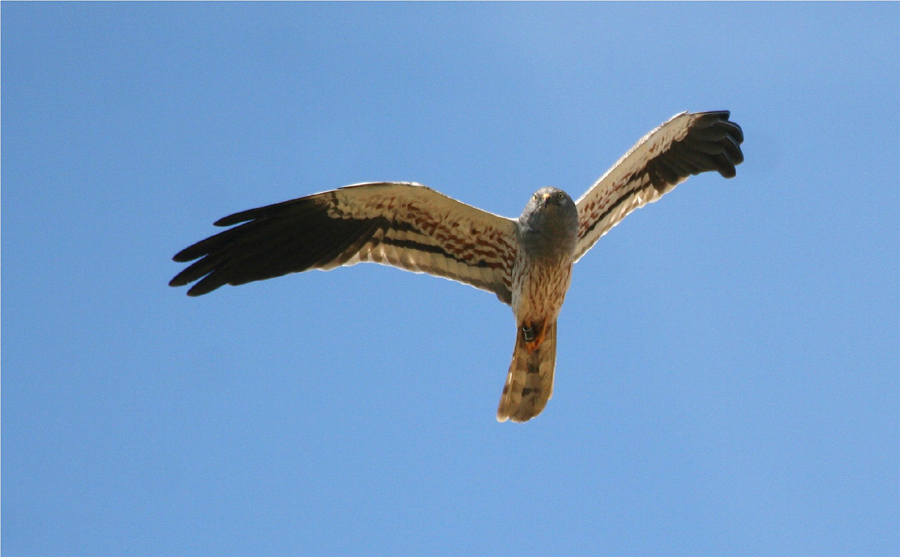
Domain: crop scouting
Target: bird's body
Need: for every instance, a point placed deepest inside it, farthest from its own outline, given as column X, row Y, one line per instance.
column 527, row 262
column 547, row 232
column 539, row 290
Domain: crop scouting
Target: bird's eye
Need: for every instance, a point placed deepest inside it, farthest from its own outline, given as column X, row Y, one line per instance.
column 560, row 196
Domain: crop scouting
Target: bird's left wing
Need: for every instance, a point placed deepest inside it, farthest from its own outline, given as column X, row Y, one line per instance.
column 686, row 145
column 401, row 224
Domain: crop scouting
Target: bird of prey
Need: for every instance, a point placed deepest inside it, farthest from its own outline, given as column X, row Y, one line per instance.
column 527, row 262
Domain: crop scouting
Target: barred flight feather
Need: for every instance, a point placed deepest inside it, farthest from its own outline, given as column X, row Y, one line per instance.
column 394, row 223
column 685, row 145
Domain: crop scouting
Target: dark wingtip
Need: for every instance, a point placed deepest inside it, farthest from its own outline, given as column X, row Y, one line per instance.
column 200, row 289
column 271, row 241
column 204, row 286
column 732, row 155
column 735, row 130
column 236, row 218
column 182, row 279
column 183, row 256
column 726, row 167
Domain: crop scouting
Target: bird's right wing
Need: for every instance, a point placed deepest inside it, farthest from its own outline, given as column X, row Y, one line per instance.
column 401, row 224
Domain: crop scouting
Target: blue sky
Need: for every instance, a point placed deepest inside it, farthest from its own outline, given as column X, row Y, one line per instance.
column 727, row 376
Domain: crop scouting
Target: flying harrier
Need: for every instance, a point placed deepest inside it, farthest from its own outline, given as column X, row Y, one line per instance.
column 527, row 262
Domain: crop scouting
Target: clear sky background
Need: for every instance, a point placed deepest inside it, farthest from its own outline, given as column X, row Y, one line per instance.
column 727, row 376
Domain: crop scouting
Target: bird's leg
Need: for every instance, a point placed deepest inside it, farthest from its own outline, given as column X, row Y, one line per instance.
column 533, row 332
column 528, row 333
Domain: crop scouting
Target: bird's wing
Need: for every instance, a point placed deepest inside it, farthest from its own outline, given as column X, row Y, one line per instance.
column 402, row 224
column 686, row 145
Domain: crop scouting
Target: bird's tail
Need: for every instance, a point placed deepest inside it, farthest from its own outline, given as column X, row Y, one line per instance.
column 529, row 383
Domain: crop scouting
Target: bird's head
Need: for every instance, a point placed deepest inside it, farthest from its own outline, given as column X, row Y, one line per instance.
column 551, row 214
column 552, row 206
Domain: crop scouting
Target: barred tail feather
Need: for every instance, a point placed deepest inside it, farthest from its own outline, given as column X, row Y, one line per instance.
column 529, row 383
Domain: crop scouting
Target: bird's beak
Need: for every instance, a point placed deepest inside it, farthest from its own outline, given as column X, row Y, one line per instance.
column 546, row 197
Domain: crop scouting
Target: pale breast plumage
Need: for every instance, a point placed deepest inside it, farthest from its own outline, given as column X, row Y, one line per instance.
column 540, row 288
